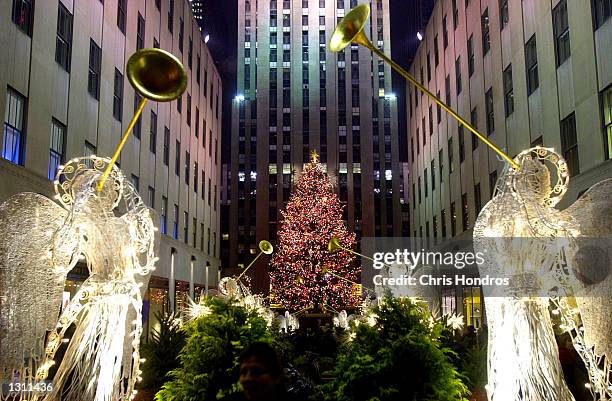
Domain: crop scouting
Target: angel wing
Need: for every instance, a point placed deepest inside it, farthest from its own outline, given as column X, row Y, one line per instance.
column 591, row 264
column 34, row 261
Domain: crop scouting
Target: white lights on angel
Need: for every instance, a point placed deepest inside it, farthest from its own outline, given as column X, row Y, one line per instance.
column 288, row 322
column 531, row 242
column 115, row 234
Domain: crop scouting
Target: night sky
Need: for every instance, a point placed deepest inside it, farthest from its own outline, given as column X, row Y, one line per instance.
column 220, row 20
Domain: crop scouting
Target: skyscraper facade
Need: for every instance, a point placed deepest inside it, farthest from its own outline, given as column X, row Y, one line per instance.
column 64, row 93
column 197, row 7
column 524, row 73
column 295, row 96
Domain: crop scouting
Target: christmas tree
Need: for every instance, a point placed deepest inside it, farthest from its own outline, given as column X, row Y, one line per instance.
column 304, row 273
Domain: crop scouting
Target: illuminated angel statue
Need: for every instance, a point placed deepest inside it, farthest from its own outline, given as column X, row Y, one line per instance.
column 511, row 231
column 114, row 232
column 587, row 316
column 527, row 240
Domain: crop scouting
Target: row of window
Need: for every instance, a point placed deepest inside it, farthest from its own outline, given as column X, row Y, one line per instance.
column 569, row 147
column 13, row 151
column 561, row 32
column 22, row 11
column 175, row 226
column 465, row 217
column 562, row 52
column 287, row 4
column 175, row 223
column 14, row 144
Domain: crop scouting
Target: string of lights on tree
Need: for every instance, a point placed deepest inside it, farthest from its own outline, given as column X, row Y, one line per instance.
column 304, row 274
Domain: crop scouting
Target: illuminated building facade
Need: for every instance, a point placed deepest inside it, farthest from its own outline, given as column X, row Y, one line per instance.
column 296, row 96
column 524, row 73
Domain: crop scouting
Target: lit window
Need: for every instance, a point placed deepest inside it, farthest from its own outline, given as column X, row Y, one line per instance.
column 164, row 215
column 175, row 224
column 607, row 115
column 56, row 151
column 14, row 122
column 472, row 306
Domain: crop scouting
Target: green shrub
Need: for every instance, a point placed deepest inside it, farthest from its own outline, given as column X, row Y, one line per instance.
column 161, row 351
column 209, row 367
column 469, row 354
column 400, row 358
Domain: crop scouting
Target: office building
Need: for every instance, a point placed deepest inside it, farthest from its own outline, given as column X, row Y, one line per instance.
column 295, row 96
column 197, row 7
column 524, row 73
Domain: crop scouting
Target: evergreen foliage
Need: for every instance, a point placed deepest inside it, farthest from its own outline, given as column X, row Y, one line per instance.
column 399, row 358
column 209, row 367
column 161, row 351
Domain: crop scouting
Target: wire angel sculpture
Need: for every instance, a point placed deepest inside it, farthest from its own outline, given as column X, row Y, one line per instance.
column 115, row 233
column 587, row 316
column 235, row 291
column 288, row 322
column 527, row 240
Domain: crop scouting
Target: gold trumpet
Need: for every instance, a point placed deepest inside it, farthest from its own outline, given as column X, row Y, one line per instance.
column 334, row 246
column 350, row 30
column 264, row 247
column 157, row 75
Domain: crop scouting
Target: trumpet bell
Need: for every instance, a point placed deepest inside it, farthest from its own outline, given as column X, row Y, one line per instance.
column 157, row 74
column 350, row 29
column 333, row 245
column 266, row 247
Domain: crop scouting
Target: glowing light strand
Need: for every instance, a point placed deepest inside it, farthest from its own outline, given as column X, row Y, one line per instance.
column 115, row 234
column 523, row 361
column 313, row 215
